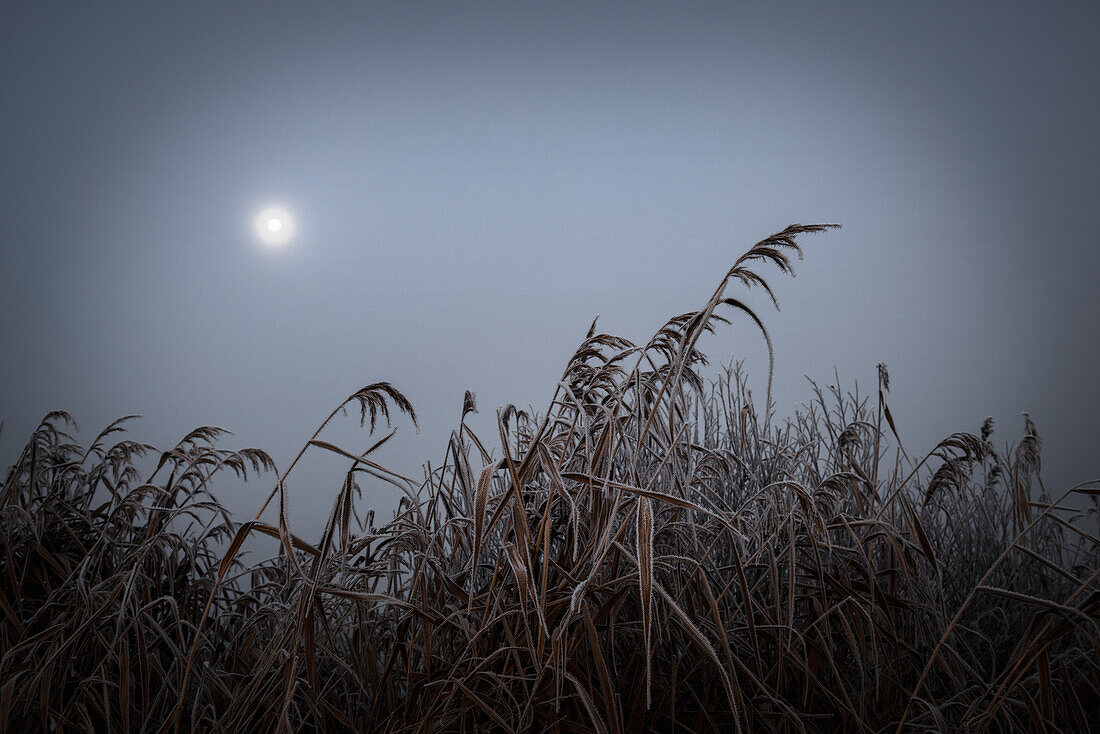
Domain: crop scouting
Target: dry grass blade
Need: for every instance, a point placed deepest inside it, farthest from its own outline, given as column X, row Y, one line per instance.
column 644, row 527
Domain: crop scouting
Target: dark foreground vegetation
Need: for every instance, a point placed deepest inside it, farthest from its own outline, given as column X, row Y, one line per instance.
column 651, row 553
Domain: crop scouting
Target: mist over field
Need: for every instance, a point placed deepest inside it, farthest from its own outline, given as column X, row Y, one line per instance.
column 871, row 510
column 459, row 173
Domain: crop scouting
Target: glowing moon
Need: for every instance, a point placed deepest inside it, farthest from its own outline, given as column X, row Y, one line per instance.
column 274, row 226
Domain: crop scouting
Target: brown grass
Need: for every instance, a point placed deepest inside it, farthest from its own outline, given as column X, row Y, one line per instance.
column 651, row 553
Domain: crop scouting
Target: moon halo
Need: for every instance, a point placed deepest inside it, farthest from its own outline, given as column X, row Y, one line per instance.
column 274, row 226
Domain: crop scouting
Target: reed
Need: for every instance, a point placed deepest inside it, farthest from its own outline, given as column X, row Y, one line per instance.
column 654, row 551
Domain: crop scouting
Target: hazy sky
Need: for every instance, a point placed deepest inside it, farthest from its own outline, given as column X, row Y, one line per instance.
column 474, row 182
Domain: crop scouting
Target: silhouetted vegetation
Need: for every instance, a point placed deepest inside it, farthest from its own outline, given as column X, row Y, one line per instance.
column 654, row 552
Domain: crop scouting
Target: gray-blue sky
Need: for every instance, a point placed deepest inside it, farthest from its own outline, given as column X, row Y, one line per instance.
column 473, row 182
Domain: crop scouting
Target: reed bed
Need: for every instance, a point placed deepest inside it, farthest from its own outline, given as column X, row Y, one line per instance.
column 654, row 552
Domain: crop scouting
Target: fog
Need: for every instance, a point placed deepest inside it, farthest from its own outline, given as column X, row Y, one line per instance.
column 473, row 183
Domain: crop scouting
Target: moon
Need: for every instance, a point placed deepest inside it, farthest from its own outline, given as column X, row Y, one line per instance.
column 274, row 226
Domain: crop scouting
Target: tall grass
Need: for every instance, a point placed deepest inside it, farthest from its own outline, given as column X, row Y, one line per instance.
column 655, row 551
